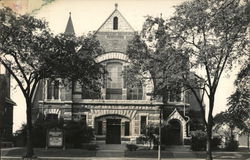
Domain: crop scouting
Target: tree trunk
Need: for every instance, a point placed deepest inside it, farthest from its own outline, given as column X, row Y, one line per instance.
column 29, row 152
column 209, row 127
column 209, row 140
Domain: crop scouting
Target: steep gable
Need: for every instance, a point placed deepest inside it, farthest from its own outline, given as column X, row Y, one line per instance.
column 123, row 25
column 115, row 33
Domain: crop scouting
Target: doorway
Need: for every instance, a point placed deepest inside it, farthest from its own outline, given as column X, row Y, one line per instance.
column 113, row 134
column 172, row 133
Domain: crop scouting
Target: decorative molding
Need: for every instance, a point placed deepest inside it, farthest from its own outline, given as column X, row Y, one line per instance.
column 177, row 116
column 126, row 113
column 111, row 55
column 52, row 111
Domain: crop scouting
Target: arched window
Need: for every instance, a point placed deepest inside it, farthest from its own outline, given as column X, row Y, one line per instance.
column 114, row 81
column 115, row 23
column 53, row 89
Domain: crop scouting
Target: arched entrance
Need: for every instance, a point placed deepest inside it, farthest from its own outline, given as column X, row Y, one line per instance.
column 112, row 127
column 172, row 133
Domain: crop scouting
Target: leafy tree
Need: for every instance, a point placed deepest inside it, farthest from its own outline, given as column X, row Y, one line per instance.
column 155, row 58
column 30, row 53
column 239, row 100
column 210, row 34
column 215, row 31
column 237, row 115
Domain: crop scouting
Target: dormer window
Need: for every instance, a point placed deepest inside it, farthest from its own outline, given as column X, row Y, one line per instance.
column 115, row 23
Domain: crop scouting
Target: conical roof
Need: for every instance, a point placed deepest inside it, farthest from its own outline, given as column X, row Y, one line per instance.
column 69, row 28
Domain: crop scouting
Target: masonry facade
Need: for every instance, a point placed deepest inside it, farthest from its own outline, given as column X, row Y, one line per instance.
column 119, row 112
column 6, row 109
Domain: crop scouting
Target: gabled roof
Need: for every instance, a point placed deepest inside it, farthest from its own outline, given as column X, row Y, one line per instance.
column 106, row 26
column 69, row 28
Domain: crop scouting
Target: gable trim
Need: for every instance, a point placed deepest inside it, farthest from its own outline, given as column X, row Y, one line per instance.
column 110, row 17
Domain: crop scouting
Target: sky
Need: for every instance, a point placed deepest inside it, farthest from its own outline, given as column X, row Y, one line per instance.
column 88, row 15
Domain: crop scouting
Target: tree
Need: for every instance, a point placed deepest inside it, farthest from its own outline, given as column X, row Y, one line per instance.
column 30, row 53
column 211, row 34
column 215, row 30
column 239, row 101
column 154, row 57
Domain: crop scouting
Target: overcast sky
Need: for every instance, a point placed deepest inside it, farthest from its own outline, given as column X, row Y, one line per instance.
column 88, row 15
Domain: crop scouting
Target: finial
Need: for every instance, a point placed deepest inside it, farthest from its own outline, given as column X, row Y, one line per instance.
column 70, row 14
column 116, row 5
column 160, row 15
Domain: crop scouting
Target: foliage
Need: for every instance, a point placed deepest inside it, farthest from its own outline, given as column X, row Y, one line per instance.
column 38, row 135
column 216, row 142
column 131, row 147
column 208, row 35
column 77, row 133
column 239, row 101
column 198, row 141
column 154, row 58
column 231, row 145
column 30, row 53
column 237, row 115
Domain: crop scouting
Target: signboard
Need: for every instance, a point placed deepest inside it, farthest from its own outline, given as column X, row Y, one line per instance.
column 55, row 137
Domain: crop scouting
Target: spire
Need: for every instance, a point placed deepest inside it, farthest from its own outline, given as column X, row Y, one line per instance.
column 69, row 28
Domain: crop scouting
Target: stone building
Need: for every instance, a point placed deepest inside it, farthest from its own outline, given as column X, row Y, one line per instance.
column 119, row 112
column 6, row 108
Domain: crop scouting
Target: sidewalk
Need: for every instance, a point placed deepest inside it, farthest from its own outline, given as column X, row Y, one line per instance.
column 102, row 158
column 118, row 152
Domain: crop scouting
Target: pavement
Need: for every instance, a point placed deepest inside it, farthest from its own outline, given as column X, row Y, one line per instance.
column 119, row 152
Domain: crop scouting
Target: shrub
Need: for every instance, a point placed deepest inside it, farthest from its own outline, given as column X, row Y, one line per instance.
column 231, row 145
column 132, row 147
column 187, row 141
column 216, row 142
column 75, row 133
column 141, row 139
column 198, row 140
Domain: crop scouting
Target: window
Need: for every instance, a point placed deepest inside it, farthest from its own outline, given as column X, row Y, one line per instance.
column 134, row 93
column 99, row 128
column 114, row 81
column 51, row 116
column 49, row 89
column 115, row 23
column 126, row 129
column 56, row 90
column 83, row 118
column 143, row 124
column 53, row 89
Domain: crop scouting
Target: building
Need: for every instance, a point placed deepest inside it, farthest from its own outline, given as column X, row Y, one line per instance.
column 119, row 112
column 6, row 109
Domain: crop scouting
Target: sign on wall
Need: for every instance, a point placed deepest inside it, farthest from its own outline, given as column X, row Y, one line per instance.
column 55, row 137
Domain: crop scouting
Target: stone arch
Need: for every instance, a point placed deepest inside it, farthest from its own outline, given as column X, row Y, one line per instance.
column 56, row 111
column 112, row 116
column 112, row 55
column 130, row 114
column 175, row 118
